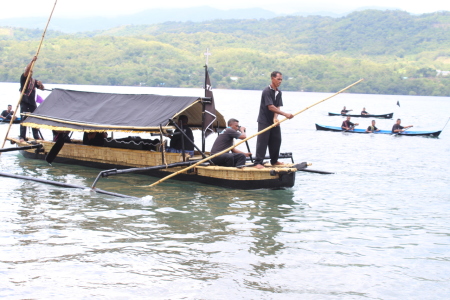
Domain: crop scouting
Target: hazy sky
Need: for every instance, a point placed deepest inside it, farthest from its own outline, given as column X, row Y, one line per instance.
column 77, row 8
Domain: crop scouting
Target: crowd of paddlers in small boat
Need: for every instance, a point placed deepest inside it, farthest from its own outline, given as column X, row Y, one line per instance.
column 397, row 129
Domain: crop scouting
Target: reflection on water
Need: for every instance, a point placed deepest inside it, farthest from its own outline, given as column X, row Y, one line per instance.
column 377, row 229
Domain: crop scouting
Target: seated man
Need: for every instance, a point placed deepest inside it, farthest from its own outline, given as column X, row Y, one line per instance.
column 344, row 111
column 7, row 114
column 94, row 138
column 347, row 125
column 364, row 112
column 397, row 128
column 176, row 143
column 372, row 127
column 224, row 141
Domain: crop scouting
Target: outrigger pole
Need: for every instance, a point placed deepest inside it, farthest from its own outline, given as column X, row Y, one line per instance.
column 29, row 75
column 62, row 184
column 256, row 134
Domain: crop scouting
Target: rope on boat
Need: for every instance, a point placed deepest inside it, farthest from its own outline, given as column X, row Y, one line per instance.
column 256, row 134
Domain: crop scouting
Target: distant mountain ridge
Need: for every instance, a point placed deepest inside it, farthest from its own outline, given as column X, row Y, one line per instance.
column 151, row 16
column 394, row 51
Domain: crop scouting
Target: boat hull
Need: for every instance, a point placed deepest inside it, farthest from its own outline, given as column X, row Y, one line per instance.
column 4, row 121
column 406, row 133
column 111, row 158
column 383, row 116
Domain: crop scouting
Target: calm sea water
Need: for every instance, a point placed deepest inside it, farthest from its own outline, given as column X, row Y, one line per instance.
column 377, row 229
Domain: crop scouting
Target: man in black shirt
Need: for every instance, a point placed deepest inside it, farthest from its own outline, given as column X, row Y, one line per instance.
column 347, row 125
column 176, row 143
column 397, row 128
column 224, row 141
column 7, row 114
column 28, row 103
column 372, row 128
column 344, row 111
column 269, row 110
column 364, row 112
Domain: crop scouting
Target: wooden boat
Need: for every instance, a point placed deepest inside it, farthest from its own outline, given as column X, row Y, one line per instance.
column 382, row 116
column 406, row 133
column 120, row 158
column 66, row 110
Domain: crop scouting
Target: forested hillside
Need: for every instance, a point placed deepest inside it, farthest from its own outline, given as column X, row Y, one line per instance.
column 397, row 53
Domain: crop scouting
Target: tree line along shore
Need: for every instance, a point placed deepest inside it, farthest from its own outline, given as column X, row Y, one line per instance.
column 395, row 52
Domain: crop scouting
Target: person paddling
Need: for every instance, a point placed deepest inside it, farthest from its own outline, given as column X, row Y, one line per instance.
column 372, row 128
column 397, row 128
column 344, row 111
column 7, row 113
column 348, row 125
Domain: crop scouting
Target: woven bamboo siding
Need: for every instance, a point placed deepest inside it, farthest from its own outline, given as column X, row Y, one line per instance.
column 125, row 157
column 240, row 174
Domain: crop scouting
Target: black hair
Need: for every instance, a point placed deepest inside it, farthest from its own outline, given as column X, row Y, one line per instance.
column 274, row 74
column 231, row 121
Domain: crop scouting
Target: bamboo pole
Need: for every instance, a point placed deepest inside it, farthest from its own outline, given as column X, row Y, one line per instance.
column 246, row 139
column 29, row 75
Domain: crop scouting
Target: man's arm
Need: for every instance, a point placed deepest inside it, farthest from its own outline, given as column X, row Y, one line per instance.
column 243, row 134
column 277, row 111
column 28, row 68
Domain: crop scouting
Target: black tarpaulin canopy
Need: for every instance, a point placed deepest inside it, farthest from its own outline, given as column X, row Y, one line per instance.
column 67, row 110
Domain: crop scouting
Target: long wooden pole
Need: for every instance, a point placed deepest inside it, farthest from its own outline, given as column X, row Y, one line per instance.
column 29, row 75
column 246, row 139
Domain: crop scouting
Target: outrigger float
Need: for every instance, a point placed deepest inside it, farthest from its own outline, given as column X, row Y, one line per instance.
column 68, row 110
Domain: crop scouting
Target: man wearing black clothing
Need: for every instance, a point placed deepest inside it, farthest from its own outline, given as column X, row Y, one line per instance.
column 28, row 103
column 7, row 113
column 397, row 128
column 372, row 128
column 176, row 143
column 347, row 125
column 269, row 110
column 344, row 111
column 224, row 141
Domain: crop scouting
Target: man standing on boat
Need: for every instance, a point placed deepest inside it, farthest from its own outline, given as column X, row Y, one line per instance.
column 397, row 128
column 348, row 125
column 224, row 141
column 28, row 103
column 269, row 110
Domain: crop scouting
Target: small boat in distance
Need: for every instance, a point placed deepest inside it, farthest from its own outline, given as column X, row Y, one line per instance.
column 408, row 132
column 16, row 121
column 383, row 116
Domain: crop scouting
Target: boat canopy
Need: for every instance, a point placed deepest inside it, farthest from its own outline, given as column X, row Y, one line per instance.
column 68, row 110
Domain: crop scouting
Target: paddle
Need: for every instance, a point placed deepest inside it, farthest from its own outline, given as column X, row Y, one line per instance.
column 256, row 134
column 56, row 147
column 248, row 149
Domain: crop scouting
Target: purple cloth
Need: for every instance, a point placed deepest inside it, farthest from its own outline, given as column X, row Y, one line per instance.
column 39, row 99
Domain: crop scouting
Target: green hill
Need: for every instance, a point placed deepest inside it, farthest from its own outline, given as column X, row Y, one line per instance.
column 397, row 53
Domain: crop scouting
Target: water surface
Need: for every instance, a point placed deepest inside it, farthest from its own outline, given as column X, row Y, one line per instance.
column 376, row 229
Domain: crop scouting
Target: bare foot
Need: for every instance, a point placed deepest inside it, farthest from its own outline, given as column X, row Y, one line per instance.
column 278, row 163
column 21, row 140
column 259, row 166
